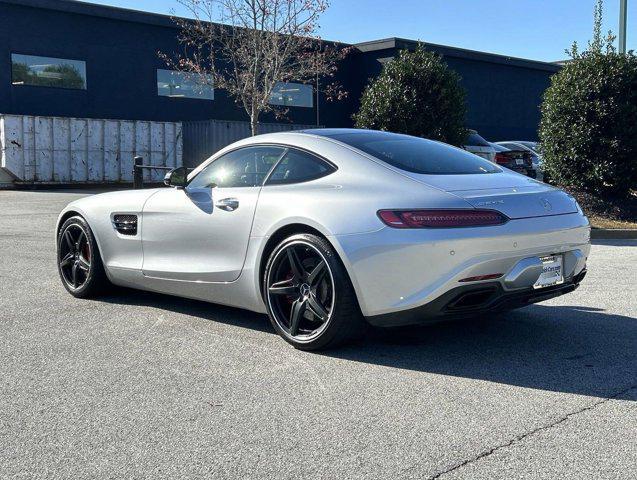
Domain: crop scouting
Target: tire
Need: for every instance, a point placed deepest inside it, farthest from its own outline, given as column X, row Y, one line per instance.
column 77, row 251
column 317, row 294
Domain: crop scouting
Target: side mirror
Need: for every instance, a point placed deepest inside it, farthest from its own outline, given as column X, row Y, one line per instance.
column 177, row 177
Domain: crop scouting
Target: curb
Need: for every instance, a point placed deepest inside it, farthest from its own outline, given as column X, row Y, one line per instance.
column 613, row 233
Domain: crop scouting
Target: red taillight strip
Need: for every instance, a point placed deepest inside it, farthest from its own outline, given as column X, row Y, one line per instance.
column 441, row 218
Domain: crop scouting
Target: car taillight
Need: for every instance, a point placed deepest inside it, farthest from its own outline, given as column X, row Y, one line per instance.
column 441, row 218
column 501, row 159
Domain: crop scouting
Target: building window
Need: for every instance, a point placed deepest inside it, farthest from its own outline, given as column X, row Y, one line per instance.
column 292, row 95
column 47, row 72
column 171, row 83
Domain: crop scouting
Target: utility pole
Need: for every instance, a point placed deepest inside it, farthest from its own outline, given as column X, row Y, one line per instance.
column 622, row 25
column 318, row 117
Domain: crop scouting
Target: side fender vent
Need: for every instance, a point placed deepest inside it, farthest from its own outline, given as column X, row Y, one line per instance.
column 125, row 224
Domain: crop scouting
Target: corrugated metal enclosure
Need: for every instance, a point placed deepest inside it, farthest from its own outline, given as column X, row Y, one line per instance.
column 79, row 150
column 202, row 139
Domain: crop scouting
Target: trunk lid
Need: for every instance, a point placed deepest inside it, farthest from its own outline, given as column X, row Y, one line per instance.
column 512, row 194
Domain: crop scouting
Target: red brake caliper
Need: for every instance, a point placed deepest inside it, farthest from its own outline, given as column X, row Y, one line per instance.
column 290, row 298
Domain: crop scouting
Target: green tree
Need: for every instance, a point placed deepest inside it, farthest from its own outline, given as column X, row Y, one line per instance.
column 588, row 129
column 417, row 94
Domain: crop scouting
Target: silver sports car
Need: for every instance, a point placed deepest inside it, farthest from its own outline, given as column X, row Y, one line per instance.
column 327, row 230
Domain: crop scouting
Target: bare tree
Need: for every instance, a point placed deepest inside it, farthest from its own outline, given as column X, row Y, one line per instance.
column 247, row 46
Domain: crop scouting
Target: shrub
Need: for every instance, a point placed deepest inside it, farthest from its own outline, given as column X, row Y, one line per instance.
column 417, row 94
column 588, row 129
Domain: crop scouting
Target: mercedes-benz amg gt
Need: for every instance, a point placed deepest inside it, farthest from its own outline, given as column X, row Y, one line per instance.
column 327, row 229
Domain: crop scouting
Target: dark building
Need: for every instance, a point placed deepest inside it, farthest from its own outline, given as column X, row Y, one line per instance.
column 503, row 93
column 73, row 59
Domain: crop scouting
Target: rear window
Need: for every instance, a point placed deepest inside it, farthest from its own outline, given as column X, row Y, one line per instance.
column 531, row 145
column 475, row 140
column 499, row 148
column 517, row 147
column 510, row 146
column 417, row 155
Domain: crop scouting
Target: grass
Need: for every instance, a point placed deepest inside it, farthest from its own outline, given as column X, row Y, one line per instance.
column 601, row 222
column 608, row 212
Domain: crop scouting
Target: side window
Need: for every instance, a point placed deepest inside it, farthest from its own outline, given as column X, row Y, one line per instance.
column 245, row 167
column 297, row 166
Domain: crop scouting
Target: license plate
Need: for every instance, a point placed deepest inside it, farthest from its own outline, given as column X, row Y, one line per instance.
column 519, row 161
column 552, row 273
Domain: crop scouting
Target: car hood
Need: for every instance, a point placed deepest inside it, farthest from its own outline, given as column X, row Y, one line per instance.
column 512, row 194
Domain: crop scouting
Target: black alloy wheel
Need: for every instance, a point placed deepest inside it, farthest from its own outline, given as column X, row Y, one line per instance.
column 310, row 299
column 79, row 263
column 74, row 256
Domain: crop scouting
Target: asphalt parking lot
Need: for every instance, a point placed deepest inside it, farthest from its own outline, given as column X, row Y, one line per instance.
column 147, row 386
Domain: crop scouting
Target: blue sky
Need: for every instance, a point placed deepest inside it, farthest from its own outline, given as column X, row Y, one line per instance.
column 535, row 29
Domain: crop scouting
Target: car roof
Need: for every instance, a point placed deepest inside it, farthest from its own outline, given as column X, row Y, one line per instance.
column 330, row 132
column 316, row 132
column 309, row 138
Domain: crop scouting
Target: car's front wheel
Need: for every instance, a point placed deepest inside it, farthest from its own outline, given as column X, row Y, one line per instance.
column 308, row 294
column 78, row 258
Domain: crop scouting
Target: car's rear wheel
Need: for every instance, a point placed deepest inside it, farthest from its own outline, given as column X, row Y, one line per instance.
column 308, row 294
column 78, row 258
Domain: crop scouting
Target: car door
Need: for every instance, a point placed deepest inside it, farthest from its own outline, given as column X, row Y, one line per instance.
column 200, row 233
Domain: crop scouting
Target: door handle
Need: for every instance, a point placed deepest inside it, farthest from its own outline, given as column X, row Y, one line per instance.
column 227, row 204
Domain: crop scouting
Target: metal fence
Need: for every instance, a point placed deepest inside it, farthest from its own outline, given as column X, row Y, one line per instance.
column 204, row 138
column 81, row 150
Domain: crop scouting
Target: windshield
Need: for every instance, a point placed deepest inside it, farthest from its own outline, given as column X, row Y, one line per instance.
column 415, row 154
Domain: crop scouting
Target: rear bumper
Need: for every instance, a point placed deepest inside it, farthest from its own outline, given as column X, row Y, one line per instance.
column 396, row 270
column 474, row 300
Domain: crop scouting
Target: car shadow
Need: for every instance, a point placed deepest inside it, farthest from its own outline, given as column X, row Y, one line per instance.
column 570, row 349
column 567, row 349
column 207, row 311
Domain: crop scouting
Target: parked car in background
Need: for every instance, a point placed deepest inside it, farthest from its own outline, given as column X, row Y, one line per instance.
column 517, row 159
column 533, row 148
column 479, row 146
